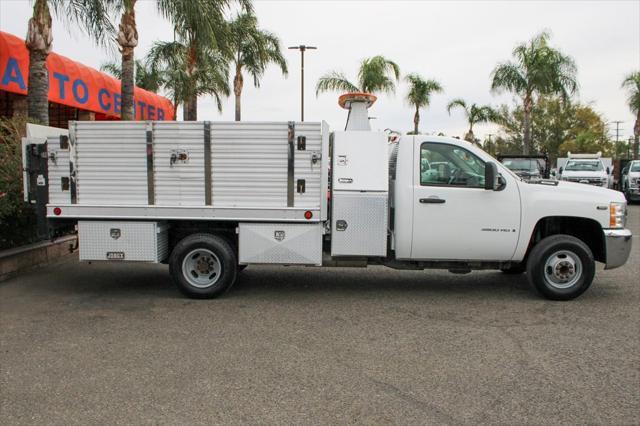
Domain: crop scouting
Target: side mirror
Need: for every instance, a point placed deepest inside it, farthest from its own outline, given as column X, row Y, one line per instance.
column 560, row 170
column 608, row 171
column 491, row 176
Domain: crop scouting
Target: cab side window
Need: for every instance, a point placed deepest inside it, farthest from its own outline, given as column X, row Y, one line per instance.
column 450, row 165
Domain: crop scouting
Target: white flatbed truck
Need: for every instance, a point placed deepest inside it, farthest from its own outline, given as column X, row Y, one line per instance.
column 209, row 198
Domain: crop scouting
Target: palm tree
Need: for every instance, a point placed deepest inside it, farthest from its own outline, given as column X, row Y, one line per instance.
column 202, row 37
column 419, row 95
column 474, row 113
column 91, row 16
column 632, row 84
column 127, row 39
column 146, row 76
column 376, row 75
column 185, row 84
column 538, row 69
column 253, row 50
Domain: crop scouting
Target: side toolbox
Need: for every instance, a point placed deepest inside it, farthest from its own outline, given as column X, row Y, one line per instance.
column 281, row 243
column 123, row 241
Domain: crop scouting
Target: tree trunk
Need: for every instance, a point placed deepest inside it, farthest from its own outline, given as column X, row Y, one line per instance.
column 416, row 121
column 191, row 103
column 38, row 42
column 526, row 140
column 175, row 106
column 185, row 112
column 237, row 90
column 469, row 136
column 128, row 40
column 191, row 109
column 636, row 134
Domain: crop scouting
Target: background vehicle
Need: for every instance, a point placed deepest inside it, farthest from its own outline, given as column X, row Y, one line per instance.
column 528, row 167
column 209, row 198
column 630, row 181
column 585, row 168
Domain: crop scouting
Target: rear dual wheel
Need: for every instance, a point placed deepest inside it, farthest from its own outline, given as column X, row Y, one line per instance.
column 203, row 266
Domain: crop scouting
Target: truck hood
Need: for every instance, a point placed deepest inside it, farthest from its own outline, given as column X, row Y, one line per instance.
column 568, row 199
column 573, row 190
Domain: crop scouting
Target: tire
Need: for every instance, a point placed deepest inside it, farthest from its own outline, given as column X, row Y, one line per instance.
column 561, row 267
column 515, row 269
column 203, row 266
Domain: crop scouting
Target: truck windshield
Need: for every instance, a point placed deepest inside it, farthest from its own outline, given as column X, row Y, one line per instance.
column 635, row 166
column 584, row 165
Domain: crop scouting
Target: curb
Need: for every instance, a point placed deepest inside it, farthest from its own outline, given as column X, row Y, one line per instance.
column 17, row 260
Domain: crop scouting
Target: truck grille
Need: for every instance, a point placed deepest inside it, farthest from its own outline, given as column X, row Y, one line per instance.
column 590, row 181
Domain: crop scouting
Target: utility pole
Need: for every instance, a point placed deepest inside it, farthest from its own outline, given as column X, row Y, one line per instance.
column 617, row 123
column 302, row 49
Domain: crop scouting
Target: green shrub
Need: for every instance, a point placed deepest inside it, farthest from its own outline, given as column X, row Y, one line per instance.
column 17, row 219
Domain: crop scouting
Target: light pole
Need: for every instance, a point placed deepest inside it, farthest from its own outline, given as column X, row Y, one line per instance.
column 617, row 123
column 302, row 48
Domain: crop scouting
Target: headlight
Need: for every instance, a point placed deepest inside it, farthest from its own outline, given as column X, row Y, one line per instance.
column 617, row 215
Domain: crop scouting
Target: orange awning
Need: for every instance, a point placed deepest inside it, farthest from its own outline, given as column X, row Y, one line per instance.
column 76, row 85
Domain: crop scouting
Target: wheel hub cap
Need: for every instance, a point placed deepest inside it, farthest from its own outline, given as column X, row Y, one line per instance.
column 201, row 268
column 563, row 269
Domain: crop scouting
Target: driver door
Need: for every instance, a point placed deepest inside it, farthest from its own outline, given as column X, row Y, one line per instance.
column 454, row 217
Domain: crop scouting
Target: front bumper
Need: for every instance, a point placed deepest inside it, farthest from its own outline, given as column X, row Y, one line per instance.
column 618, row 246
column 633, row 192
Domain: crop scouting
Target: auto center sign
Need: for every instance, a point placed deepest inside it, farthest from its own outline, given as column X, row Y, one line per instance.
column 76, row 85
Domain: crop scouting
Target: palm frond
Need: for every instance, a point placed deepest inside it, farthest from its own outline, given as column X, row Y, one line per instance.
column 508, row 76
column 112, row 68
column 335, row 81
column 632, row 84
column 254, row 49
column 420, row 90
column 91, row 16
column 457, row 103
column 482, row 114
column 378, row 74
column 200, row 22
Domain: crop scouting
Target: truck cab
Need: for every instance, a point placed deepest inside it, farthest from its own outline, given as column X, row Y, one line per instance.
column 457, row 207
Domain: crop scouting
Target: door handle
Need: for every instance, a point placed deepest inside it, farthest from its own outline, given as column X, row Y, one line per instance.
column 432, row 200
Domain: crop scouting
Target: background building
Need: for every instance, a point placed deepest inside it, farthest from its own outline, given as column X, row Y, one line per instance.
column 76, row 91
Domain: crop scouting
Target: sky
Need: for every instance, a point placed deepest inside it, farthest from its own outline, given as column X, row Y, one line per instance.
column 457, row 43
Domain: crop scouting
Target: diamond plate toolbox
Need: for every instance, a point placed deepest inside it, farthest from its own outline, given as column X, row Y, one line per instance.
column 281, row 243
column 359, row 224
column 123, row 241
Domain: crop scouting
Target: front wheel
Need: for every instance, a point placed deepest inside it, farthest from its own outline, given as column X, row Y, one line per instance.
column 203, row 266
column 561, row 267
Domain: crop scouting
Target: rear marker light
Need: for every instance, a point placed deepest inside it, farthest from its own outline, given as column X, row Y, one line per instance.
column 308, row 215
column 57, row 211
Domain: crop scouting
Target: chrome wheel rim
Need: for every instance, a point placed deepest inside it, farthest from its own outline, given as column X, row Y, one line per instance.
column 201, row 268
column 563, row 269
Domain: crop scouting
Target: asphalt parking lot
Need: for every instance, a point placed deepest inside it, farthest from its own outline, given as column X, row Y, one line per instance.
column 105, row 344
